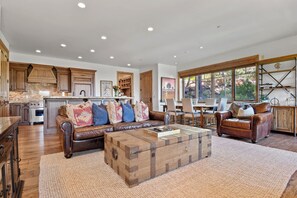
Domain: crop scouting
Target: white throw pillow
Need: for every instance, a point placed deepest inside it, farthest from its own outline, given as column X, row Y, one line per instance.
column 242, row 113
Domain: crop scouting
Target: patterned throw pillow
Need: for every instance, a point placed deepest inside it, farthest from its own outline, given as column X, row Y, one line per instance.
column 81, row 114
column 115, row 112
column 141, row 112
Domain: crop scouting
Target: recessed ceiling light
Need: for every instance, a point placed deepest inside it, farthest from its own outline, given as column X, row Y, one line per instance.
column 174, row 56
column 81, row 5
column 92, row 50
column 128, row 64
column 63, row 45
column 79, row 57
column 103, row 37
column 218, row 26
column 38, row 51
column 150, row 29
column 111, row 57
column 201, row 47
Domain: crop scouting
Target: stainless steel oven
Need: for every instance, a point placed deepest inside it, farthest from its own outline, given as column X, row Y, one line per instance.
column 36, row 112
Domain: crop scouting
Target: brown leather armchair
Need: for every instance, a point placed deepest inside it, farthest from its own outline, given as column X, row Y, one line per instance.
column 254, row 127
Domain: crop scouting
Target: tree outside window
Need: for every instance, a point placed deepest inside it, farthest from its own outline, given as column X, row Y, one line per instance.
column 223, row 84
column 245, row 83
column 190, row 87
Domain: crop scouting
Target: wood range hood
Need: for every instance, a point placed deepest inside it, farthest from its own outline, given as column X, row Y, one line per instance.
column 41, row 74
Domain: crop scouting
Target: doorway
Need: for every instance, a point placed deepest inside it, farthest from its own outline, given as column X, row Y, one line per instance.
column 146, row 88
column 126, row 82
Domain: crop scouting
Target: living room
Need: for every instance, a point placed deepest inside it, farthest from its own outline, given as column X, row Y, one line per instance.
column 137, row 56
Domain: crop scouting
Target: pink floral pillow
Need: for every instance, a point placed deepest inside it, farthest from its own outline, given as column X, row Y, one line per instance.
column 81, row 114
column 115, row 112
column 141, row 111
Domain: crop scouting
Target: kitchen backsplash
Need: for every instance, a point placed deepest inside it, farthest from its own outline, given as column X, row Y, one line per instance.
column 35, row 91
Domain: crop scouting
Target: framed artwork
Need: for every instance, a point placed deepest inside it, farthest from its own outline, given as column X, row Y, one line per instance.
column 105, row 88
column 167, row 88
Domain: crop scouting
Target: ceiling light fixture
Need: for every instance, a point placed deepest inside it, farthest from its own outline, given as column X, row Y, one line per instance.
column 150, row 29
column 81, row 5
column 63, row 45
column 79, row 57
column 103, row 37
column 174, row 56
column 92, row 50
column 128, row 64
column 111, row 57
column 201, row 47
column 38, row 51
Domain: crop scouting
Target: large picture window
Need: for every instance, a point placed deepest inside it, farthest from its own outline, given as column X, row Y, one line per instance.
column 219, row 85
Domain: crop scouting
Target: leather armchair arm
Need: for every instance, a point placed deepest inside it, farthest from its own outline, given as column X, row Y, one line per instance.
column 162, row 116
column 220, row 116
column 66, row 128
column 262, row 118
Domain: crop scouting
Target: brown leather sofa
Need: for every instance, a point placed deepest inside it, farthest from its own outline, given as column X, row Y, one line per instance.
column 92, row 137
column 254, row 127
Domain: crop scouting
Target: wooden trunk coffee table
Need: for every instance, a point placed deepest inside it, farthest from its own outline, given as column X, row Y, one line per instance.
column 137, row 156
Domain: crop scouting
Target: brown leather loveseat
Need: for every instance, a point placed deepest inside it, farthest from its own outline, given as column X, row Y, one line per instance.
column 253, row 127
column 92, row 137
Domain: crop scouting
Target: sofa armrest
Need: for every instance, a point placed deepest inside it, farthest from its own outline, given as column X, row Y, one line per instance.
column 261, row 118
column 162, row 116
column 66, row 128
column 220, row 116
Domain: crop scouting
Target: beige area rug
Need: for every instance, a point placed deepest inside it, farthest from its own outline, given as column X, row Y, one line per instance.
column 235, row 169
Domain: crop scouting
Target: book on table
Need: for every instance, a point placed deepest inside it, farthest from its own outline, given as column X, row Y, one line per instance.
column 162, row 131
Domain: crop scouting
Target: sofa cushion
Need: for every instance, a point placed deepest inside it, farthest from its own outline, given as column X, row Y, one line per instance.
column 126, row 126
column 91, row 132
column 115, row 112
column 80, row 114
column 152, row 123
column 128, row 113
column 141, row 111
column 100, row 115
column 237, row 123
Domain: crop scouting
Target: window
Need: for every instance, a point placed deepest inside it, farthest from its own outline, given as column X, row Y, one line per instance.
column 223, row 84
column 190, row 87
column 245, row 83
column 219, row 85
column 204, row 86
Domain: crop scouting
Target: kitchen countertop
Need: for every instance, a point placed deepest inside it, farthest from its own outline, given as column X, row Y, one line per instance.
column 6, row 122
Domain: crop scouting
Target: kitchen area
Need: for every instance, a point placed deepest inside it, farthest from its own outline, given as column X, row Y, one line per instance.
column 30, row 83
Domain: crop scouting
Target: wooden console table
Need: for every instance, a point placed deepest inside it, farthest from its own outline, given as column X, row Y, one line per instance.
column 284, row 119
column 11, row 185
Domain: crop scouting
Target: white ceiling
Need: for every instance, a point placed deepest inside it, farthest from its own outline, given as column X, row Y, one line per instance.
column 181, row 27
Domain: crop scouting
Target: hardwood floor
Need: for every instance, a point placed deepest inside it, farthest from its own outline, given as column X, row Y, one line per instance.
column 33, row 144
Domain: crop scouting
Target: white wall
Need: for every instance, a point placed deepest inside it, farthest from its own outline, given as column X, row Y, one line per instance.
column 160, row 70
column 168, row 71
column 266, row 50
column 104, row 72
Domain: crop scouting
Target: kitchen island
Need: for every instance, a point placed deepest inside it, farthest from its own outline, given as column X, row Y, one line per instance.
column 53, row 103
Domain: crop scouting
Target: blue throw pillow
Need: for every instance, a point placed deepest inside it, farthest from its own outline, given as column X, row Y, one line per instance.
column 100, row 115
column 128, row 113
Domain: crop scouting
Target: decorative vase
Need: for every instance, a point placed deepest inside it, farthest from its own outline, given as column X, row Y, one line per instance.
column 116, row 93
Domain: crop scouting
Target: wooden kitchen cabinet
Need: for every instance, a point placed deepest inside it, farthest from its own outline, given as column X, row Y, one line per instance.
column 20, row 109
column 82, row 79
column 284, row 119
column 18, row 77
column 63, row 79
